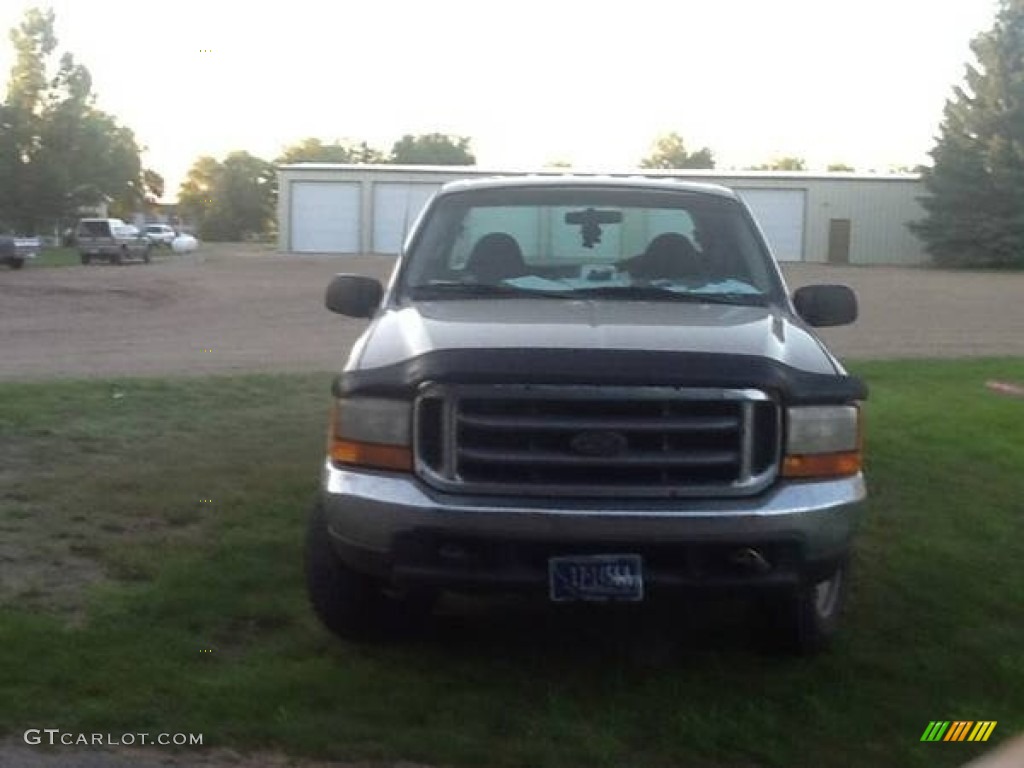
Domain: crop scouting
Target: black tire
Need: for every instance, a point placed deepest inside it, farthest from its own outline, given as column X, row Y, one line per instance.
column 85, row 258
column 350, row 604
column 17, row 263
column 118, row 257
column 804, row 621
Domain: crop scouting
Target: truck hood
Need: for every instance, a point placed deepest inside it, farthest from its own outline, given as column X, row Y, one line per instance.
column 767, row 332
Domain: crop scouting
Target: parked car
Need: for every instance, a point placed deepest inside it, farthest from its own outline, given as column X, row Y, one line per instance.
column 160, row 234
column 588, row 390
column 15, row 251
column 111, row 239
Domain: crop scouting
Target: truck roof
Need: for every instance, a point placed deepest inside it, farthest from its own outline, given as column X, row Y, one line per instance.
column 589, row 182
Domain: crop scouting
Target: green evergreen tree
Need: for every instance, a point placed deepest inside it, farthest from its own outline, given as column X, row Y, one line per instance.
column 975, row 201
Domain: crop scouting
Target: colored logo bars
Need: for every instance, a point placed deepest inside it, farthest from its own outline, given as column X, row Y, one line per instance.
column 958, row 730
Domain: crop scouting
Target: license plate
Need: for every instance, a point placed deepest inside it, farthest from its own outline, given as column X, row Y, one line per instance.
column 596, row 577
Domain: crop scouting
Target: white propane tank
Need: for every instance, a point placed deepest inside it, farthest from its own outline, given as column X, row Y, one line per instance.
column 184, row 244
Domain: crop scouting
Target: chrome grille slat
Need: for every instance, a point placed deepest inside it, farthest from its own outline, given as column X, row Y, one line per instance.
column 551, row 459
column 522, row 440
column 746, row 440
column 669, row 424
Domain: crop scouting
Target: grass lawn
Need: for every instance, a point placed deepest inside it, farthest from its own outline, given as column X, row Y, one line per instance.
column 69, row 257
column 150, row 545
column 55, row 257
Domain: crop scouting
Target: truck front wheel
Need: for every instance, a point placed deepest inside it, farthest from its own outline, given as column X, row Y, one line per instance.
column 353, row 605
column 804, row 621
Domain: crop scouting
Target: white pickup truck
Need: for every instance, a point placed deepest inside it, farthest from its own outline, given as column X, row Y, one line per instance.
column 111, row 239
column 589, row 389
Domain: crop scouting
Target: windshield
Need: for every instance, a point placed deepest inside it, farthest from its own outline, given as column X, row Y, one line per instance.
column 573, row 242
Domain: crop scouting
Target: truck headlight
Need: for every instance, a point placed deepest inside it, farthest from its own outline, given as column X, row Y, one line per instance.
column 822, row 441
column 371, row 432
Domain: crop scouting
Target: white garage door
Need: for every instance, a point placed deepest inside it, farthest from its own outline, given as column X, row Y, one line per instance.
column 780, row 212
column 325, row 217
column 395, row 208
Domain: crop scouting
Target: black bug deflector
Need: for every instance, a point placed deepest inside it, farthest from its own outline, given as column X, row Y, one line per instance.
column 602, row 367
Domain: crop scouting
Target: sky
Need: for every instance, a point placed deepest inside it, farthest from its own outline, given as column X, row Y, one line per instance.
column 592, row 83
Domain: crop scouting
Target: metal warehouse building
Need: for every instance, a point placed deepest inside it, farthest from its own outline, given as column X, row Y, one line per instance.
column 835, row 218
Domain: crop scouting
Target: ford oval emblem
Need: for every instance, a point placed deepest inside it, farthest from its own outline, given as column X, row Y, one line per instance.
column 599, row 443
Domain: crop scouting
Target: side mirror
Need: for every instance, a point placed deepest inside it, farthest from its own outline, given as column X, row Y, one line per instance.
column 825, row 305
column 354, row 295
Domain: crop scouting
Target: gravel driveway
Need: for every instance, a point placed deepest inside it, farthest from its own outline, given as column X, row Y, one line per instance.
column 245, row 308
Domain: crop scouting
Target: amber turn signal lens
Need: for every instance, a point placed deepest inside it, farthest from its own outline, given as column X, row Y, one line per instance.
column 822, row 465
column 372, row 455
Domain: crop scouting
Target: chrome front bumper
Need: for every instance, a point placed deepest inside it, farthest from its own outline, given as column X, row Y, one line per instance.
column 383, row 523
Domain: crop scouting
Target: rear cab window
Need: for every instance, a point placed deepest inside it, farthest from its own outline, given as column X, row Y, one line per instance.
column 94, row 229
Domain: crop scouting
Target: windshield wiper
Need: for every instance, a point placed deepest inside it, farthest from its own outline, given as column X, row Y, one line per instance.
column 456, row 289
column 657, row 293
column 479, row 291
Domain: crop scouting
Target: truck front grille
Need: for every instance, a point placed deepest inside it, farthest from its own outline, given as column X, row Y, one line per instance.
column 596, row 441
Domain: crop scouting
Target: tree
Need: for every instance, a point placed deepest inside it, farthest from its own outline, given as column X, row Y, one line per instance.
column 669, row 151
column 20, row 117
column 975, row 186
column 34, row 40
column 432, row 149
column 153, row 183
column 365, row 154
column 57, row 151
column 840, row 168
column 195, row 196
column 313, row 150
column 783, row 164
column 230, row 200
column 918, row 169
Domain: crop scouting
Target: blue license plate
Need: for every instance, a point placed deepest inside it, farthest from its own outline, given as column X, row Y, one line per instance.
column 596, row 577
